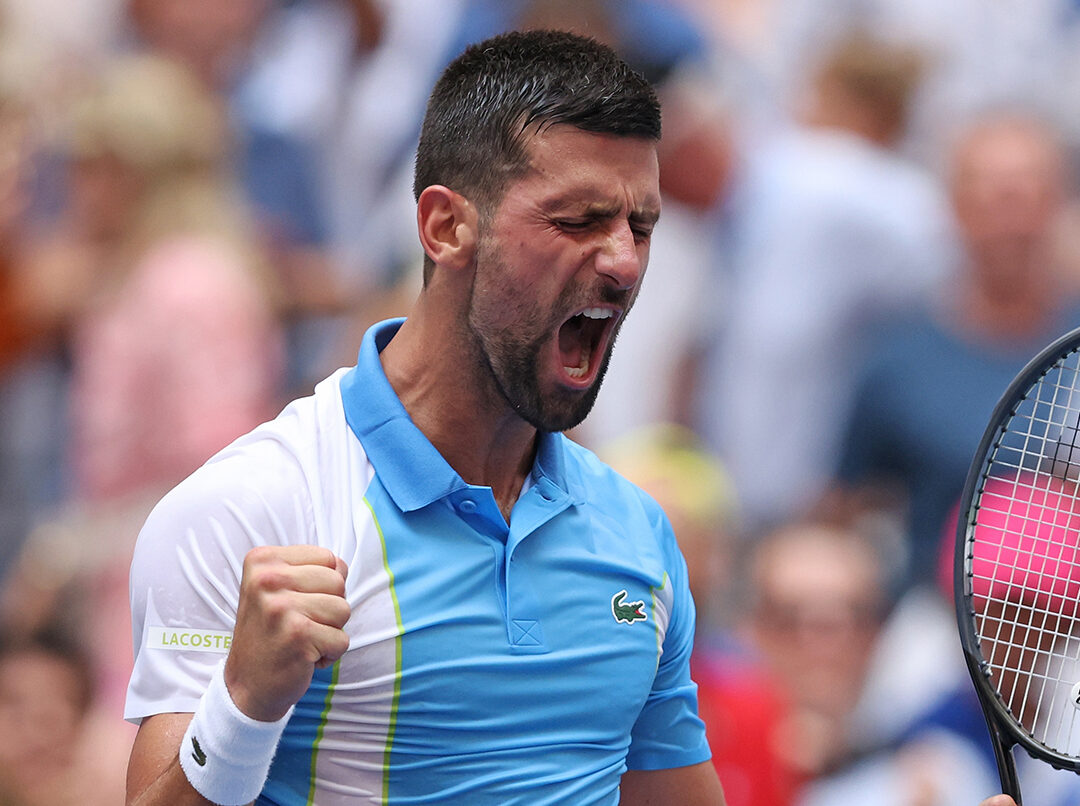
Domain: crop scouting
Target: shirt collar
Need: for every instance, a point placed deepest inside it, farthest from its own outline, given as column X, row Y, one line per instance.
column 410, row 468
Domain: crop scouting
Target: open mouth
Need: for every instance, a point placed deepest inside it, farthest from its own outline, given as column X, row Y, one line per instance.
column 581, row 339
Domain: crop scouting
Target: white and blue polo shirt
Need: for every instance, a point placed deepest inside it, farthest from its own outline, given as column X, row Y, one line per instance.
column 488, row 663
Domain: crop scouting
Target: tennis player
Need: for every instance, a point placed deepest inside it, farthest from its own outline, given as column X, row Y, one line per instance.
column 410, row 587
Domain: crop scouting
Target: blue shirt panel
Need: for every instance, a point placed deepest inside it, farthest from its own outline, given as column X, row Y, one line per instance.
column 289, row 780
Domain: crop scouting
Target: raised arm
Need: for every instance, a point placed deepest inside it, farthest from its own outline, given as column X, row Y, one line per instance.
column 289, row 621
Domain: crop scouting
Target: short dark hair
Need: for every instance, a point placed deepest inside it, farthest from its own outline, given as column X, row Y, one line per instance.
column 472, row 139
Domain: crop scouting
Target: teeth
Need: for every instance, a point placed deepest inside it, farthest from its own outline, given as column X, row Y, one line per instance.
column 579, row 372
column 583, row 365
column 598, row 313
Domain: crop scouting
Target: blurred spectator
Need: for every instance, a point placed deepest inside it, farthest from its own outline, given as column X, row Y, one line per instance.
column 815, row 606
column 16, row 332
column 46, row 695
column 816, row 609
column 977, row 54
column 136, row 131
column 214, row 40
column 152, row 286
column 277, row 172
column 741, row 708
column 927, row 390
column 981, row 54
column 350, row 78
column 145, row 149
column 830, row 232
column 183, row 360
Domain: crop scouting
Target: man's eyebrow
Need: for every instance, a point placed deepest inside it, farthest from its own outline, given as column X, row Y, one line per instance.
column 645, row 215
column 586, row 204
column 592, row 208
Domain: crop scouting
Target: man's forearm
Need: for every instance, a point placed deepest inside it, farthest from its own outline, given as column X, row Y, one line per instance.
column 170, row 788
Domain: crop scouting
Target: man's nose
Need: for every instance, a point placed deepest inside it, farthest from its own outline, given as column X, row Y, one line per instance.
column 621, row 257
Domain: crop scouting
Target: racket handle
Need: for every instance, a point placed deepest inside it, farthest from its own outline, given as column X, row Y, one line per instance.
column 1006, row 764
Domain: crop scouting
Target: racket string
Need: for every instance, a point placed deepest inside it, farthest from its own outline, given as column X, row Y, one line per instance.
column 1022, row 561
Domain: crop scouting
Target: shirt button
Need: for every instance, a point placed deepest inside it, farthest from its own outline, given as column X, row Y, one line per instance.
column 468, row 506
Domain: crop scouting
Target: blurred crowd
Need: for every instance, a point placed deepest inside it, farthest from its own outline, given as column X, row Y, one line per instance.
column 870, row 224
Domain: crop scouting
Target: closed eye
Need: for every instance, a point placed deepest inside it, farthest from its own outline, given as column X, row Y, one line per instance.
column 574, row 225
column 642, row 229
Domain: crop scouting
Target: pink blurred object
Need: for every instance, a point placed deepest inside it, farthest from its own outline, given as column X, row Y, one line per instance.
column 183, row 359
column 1027, row 543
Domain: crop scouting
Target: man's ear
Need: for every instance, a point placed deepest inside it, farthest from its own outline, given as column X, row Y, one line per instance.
column 447, row 224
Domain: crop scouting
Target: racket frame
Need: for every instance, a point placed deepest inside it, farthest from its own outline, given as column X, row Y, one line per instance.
column 1005, row 731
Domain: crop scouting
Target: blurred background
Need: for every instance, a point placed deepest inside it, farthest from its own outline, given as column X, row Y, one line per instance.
column 870, row 224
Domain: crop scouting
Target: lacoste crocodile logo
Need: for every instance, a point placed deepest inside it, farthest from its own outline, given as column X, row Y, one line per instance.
column 198, row 755
column 628, row 612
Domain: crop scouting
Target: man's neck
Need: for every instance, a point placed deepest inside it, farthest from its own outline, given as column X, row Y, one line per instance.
column 471, row 426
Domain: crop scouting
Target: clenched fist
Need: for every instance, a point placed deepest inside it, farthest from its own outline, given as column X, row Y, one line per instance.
column 289, row 621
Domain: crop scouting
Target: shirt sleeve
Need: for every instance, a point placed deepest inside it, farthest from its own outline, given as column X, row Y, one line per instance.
column 186, row 570
column 668, row 732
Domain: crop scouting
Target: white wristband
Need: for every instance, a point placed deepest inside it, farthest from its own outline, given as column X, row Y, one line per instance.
column 225, row 753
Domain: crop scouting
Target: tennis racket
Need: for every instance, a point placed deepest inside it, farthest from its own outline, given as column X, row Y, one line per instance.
column 1017, row 571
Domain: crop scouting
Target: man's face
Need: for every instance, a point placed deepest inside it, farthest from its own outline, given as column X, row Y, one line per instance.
column 1007, row 195
column 558, row 265
column 815, row 618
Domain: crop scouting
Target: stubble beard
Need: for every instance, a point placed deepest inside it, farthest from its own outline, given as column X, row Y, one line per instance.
column 511, row 355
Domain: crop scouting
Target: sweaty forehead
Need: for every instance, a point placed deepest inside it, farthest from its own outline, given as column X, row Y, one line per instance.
column 573, row 169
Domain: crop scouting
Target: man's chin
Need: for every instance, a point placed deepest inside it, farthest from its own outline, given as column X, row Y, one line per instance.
column 566, row 408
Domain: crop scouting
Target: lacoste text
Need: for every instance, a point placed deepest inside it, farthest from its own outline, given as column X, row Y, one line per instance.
column 205, row 640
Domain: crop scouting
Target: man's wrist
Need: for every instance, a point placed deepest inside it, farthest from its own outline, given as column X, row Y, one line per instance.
column 226, row 754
